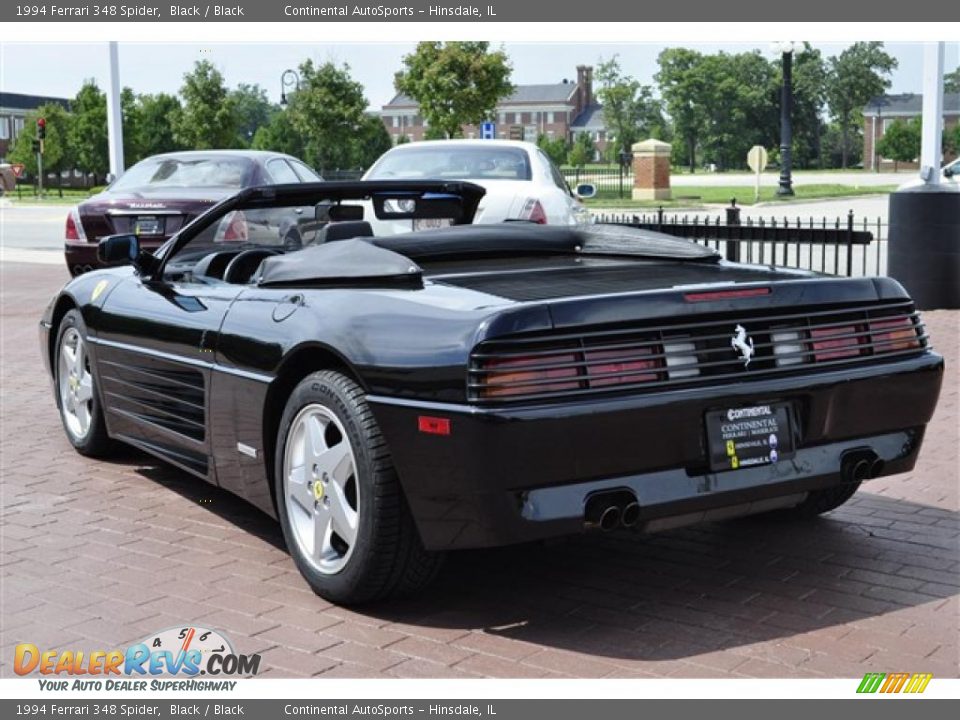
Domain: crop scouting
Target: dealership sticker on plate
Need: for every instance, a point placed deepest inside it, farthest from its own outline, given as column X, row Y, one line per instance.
column 748, row 436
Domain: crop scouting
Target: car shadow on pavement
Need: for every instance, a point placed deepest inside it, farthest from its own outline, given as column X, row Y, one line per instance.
column 675, row 594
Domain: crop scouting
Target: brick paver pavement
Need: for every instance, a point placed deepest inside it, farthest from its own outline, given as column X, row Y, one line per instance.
column 98, row 554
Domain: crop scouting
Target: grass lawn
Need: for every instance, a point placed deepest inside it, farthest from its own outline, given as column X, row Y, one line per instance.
column 696, row 195
column 51, row 196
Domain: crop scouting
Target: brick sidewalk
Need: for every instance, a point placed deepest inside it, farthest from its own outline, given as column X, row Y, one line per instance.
column 96, row 555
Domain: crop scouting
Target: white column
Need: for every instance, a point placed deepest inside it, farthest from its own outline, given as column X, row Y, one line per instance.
column 114, row 117
column 932, row 138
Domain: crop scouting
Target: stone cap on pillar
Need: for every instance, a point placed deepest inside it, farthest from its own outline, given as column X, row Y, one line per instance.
column 651, row 147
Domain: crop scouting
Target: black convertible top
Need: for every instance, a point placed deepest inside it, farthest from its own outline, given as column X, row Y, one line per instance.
column 392, row 261
column 527, row 238
column 343, row 263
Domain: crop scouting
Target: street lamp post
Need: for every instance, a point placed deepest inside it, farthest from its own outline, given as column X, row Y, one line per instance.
column 787, row 50
column 289, row 79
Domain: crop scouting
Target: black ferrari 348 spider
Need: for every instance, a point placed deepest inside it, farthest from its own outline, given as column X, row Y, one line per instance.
column 391, row 398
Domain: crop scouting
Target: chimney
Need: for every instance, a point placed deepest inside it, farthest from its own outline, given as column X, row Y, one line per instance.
column 585, row 81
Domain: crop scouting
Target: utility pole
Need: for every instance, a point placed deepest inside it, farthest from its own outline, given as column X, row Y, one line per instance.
column 114, row 117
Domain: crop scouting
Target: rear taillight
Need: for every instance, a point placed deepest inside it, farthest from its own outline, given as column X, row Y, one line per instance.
column 533, row 212
column 515, row 376
column 892, row 335
column 837, row 342
column 236, row 227
column 620, row 367
column 74, row 229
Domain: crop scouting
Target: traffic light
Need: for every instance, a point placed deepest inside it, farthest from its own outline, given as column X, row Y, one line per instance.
column 36, row 146
column 41, row 128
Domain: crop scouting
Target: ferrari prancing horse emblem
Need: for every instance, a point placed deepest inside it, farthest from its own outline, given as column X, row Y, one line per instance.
column 742, row 343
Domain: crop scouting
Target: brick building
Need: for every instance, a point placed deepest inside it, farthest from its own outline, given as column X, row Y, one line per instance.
column 885, row 110
column 556, row 110
column 14, row 108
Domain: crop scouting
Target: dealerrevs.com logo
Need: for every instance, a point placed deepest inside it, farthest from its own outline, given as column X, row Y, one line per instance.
column 180, row 652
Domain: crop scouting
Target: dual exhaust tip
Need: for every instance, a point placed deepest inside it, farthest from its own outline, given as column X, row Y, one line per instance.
column 81, row 269
column 859, row 465
column 611, row 509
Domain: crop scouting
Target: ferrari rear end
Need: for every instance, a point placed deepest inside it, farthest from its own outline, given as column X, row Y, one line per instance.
column 660, row 408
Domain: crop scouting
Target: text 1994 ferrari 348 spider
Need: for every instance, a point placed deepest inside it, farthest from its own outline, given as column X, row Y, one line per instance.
column 388, row 399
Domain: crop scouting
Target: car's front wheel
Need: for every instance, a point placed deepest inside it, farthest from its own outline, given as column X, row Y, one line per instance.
column 343, row 514
column 77, row 397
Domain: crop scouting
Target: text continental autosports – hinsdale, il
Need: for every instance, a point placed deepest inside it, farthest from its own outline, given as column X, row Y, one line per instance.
column 384, row 11
column 381, row 710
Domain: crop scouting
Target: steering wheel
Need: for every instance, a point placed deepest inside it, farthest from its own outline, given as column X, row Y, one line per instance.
column 242, row 267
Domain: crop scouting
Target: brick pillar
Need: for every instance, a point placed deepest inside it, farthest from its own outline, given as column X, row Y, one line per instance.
column 651, row 170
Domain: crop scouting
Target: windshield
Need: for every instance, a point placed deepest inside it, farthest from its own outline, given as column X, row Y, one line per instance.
column 451, row 162
column 173, row 172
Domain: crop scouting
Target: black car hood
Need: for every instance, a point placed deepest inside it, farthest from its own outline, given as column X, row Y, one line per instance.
column 344, row 263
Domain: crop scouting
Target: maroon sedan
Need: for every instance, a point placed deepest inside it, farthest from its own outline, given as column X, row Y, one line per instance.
column 159, row 195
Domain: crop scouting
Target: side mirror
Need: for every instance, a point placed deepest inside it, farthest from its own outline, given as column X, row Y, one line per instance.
column 118, row 249
column 125, row 250
column 110, row 177
column 586, row 191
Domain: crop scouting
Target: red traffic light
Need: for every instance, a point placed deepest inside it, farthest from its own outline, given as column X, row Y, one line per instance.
column 41, row 122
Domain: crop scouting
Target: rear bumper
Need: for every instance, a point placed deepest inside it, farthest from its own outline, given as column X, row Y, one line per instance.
column 512, row 474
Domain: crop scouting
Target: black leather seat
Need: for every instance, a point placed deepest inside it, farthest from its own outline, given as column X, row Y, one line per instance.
column 344, row 231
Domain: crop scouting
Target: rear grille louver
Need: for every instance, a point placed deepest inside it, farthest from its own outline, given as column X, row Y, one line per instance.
column 650, row 357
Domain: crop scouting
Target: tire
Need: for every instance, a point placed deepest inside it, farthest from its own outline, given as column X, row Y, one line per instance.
column 818, row 502
column 77, row 398
column 369, row 548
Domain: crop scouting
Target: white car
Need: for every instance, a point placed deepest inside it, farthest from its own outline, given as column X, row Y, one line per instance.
column 521, row 181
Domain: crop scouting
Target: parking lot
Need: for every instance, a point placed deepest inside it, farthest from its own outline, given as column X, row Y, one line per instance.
column 96, row 555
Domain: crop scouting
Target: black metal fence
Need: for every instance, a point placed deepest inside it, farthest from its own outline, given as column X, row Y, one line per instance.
column 835, row 246
column 607, row 180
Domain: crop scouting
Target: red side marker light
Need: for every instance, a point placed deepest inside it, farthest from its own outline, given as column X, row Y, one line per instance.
column 433, row 425
column 725, row 294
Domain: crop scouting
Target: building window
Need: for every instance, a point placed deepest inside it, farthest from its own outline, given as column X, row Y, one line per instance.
column 887, row 122
column 550, row 117
column 503, row 118
column 4, row 128
column 17, row 126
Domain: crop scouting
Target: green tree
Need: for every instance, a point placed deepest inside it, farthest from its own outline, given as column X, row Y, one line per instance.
column 683, row 87
column 630, row 111
column 901, row 141
column 582, row 150
column 253, row 110
column 455, row 83
column 951, row 81
column 88, row 129
column 328, row 112
column 555, row 148
column 403, row 139
column 857, row 75
column 133, row 151
column 372, row 141
column 809, row 99
column 157, row 115
column 209, row 118
column 57, row 150
column 279, row 135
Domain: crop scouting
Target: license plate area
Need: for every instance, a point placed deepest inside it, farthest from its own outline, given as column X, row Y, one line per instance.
column 748, row 436
column 431, row 223
column 148, row 225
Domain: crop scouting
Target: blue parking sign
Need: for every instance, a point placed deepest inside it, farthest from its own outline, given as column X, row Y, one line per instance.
column 488, row 131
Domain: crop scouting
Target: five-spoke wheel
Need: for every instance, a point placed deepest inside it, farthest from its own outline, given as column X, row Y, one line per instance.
column 321, row 491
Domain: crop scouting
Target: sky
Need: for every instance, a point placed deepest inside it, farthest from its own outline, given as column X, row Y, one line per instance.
column 59, row 69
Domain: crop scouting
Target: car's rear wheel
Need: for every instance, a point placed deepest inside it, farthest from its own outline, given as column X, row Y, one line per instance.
column 343, row 514
column 818, row 502
column 77, row 397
